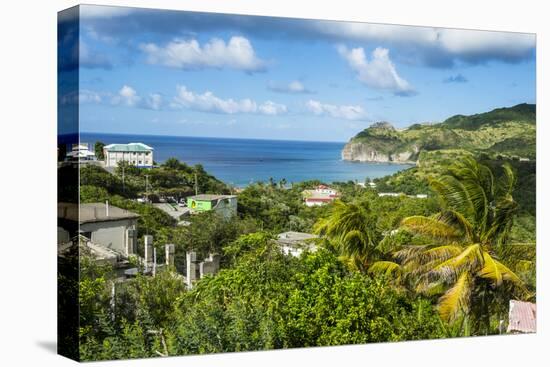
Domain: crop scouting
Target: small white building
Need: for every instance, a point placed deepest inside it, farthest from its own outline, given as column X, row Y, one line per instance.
column 81, row 152
column 294, row 243
column 321, row 195
column 136, row 154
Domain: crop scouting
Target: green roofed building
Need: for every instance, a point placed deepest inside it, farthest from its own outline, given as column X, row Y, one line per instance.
column 137, row 154
column 225, row 205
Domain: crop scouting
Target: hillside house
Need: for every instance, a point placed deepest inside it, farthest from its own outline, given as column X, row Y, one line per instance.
column 224, row 205
column 321, row 195
column 102, row 224
column 294, row 243
column 136, row 154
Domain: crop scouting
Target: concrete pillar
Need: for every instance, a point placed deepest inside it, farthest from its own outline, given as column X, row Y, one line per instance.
column 215, row 258
column 209, row 266
column 131, row 236
column 154, row 261
column 148, row 244
column 170, row 249
column 191, row 273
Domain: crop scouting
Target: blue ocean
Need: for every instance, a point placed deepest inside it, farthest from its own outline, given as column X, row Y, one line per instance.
column 240, row 162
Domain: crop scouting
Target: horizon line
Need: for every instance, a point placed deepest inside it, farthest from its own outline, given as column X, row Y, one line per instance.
column 208, row 137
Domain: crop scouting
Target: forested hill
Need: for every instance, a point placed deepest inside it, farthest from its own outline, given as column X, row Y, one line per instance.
column 509, row 131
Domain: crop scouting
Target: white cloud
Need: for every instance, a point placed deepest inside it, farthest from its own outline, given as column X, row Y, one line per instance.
column 238, row 53
column 294, row 87
column 82, row 96
column 272, row 108
column 154, row 101
column 126, row 96
column 378, row 72
column 467, row 45
column 208, row 102
column 100, row 11
column 346, row 112
column 472, row 44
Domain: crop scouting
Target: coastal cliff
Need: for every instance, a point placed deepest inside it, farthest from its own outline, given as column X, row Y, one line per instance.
column 362, row 152
column 507, row 131
column 380, row 143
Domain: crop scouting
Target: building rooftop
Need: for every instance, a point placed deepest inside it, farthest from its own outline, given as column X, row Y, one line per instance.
column 93, row 212
column 522, row 317
column 210, row 197
column 130, row 147
column 292, row 238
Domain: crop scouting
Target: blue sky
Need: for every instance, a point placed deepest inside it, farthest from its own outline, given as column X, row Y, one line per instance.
column 196, row 74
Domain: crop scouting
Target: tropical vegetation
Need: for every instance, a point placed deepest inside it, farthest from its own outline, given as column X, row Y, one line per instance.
column 383, row 268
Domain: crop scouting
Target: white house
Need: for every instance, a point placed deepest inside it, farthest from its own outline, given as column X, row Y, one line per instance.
column 294, row 243
column 81, row 152
column 102, row 224
column 136, row 154
column 321, row 195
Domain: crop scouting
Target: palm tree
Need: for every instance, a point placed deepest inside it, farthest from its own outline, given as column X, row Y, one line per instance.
column 351, row 229
column 465, row 238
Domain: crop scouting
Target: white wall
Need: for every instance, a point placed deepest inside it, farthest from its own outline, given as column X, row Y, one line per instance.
column 111, row 234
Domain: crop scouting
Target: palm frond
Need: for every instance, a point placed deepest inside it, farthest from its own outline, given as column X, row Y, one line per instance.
column 408, row 253
column 386, row 268
column 470, row 259
column 510, row 179
column 457, row 219
column 491, row 270
column 456, row 300
column 440, row 253
column 505, row 273
column 430, row 227
column 452, row 194
column 430, row 288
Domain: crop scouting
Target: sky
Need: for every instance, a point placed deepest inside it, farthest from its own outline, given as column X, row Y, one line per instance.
column 144, row 71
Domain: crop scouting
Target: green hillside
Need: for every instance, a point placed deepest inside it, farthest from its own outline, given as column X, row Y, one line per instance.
column 509, row 132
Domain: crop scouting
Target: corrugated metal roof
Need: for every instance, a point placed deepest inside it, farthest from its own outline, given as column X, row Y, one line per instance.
column 130, row 147
column 522, row 317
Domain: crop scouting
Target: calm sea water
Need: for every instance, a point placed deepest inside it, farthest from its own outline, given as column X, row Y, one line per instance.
column 242, row 161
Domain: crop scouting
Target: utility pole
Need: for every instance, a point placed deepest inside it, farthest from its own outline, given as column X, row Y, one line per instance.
column 196, row 185
column 147, row 188
column 123, row 187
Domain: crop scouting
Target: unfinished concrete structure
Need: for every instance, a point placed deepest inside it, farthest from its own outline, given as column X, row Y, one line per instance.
column 210, row 265
column 170, row 251
column 199, row 269
column 191, row 268
column 101, row 223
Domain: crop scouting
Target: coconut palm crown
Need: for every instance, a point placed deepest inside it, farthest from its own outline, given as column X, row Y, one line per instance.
column 465, row 237
column 351, row 229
